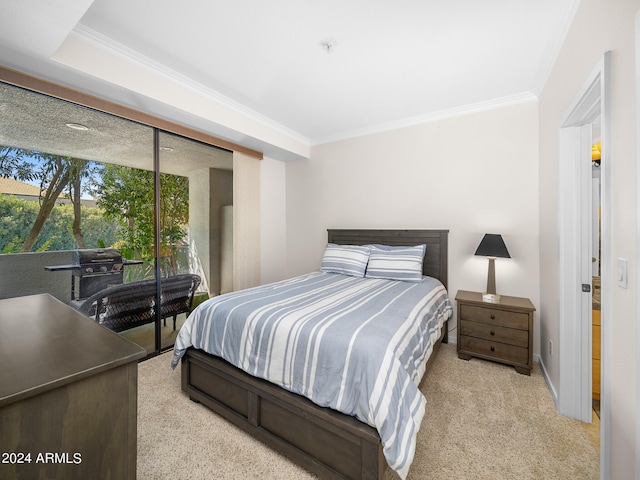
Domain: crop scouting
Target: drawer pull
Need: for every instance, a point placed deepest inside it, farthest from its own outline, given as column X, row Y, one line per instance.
column 493, row 349
column 492, row 332
column 493, row 317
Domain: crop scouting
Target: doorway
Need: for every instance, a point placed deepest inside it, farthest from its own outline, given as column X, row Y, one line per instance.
column 596, row 297
column 576, row 241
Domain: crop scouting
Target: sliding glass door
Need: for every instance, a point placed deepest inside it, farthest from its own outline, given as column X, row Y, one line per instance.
column 188, row 225
column 96, row 209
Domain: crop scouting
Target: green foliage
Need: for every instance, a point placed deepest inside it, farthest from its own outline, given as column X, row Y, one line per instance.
column 17, row 217
column 99, row 232
column 174, row 216
column 14, row 164
column 127, row 196
column 55, row 174
column 124, row 218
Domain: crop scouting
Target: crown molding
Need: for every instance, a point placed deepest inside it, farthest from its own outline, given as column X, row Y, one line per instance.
column 118, row 50
column 112, row 47
column 432, row 117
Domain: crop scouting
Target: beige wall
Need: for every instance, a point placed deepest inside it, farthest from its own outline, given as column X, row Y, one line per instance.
column 272, row 221
column 599, row 26
column 221, row 188
column 209, row 190
column 246, row 221
column 471, row 174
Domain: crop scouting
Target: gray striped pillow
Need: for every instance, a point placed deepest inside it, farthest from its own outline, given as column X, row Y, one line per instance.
column 346, row 259
column 396, row 263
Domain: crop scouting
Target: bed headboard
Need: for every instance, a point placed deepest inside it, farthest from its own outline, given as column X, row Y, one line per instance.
column 436, row 256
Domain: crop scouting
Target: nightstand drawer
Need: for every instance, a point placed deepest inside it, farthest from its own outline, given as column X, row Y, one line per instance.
column 497, row 350
column 503, row 318
column 501, row 332
column 495, row 333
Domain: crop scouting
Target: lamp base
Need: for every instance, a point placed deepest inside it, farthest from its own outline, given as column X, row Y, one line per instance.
column 491, row 298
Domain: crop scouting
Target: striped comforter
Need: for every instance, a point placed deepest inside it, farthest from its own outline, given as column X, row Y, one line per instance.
column 357, row 345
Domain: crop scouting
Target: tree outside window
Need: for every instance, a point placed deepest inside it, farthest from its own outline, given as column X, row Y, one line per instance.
column 123, row 218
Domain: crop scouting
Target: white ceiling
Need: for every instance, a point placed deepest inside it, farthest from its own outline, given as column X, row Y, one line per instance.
column 391, row 63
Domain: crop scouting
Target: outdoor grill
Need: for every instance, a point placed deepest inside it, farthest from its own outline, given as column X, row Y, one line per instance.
column 95, row 270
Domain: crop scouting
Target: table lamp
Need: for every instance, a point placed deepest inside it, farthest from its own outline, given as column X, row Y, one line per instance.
column 492, row 246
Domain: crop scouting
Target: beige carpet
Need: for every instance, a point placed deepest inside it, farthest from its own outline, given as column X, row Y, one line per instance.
column 484, row 421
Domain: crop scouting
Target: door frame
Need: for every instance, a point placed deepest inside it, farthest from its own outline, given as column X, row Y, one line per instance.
column 574, row 208
column 637, row 85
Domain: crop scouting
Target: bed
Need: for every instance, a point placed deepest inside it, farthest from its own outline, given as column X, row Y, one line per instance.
column 314, row 433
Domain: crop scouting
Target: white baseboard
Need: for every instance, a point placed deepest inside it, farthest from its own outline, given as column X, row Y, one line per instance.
column 552, row 390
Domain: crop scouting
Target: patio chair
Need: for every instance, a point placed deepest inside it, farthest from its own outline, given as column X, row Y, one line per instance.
column 122, row 307
column 177, row 295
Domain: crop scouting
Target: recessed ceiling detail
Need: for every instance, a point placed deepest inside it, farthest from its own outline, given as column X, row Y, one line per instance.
column 396, row 61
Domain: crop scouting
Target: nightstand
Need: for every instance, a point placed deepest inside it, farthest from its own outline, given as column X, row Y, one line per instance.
column 502, row 332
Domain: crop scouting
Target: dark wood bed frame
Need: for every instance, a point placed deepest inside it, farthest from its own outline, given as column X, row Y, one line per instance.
column 326, row 442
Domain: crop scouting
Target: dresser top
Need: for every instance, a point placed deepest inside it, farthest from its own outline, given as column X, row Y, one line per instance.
column 505, row 300
column 45, row 344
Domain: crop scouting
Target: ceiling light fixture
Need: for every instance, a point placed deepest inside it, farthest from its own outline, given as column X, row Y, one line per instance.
column 77, row 126
column 166, row 149
column 327, row 45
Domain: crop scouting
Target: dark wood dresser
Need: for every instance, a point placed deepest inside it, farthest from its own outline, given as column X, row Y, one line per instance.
column 68, row 394
column 502, row 332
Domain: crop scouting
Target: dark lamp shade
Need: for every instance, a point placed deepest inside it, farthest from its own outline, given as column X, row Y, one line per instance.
column 492, row 246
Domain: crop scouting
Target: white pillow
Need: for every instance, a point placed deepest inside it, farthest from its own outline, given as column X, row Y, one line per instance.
column 396, row 263
column 345, row 259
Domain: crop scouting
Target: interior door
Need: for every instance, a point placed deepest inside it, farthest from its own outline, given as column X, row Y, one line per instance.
column 575, row 272
column 575, row 349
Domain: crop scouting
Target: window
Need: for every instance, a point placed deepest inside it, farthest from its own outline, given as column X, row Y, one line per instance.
column 74, row 179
